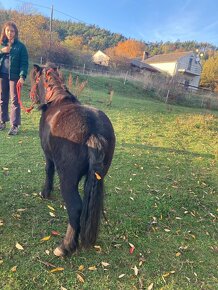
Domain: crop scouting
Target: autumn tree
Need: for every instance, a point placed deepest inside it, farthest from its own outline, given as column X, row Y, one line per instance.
column 124, row 51
column 209, row 76
column 128, row 49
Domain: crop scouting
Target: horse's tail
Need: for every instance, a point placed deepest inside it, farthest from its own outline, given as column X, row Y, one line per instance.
column 93, row 191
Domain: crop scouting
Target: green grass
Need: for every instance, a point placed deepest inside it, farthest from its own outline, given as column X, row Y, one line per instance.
column 161, row 197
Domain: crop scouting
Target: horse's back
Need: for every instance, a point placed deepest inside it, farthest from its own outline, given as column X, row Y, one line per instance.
column 73, row 127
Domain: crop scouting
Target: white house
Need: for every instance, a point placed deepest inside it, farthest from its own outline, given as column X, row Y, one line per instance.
column 100, row 58
column 185, row 65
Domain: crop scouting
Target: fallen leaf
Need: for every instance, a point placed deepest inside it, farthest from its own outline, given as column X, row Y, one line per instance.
column 63, row 288
column 81, row 268
column 178, row 254
column 166, row 275
column 121, row 276
column 21, row 209
column 52, row 214
column 80, row 278
column 150, row 287
column 136, row 271
column 105, row 264
column 47, row 252
column 97, row 248
column 167, row 230
column 5, row 168
column 92, row 268
column 50, row 207
column 58, row 269
column 55, row 233
column 14, row 269
column 1, row 223
column 132, row 248
column 1, row 262
column 19, row 247
column 45, row 238
column 98, row 177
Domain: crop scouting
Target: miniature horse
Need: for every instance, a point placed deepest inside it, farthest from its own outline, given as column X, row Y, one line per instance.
column 77, row 141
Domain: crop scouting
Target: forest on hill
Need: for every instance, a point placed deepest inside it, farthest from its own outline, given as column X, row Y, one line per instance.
column 74, row 43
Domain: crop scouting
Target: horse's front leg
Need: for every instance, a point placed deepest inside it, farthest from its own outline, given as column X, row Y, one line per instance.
column 73, row 203
column 49, row 178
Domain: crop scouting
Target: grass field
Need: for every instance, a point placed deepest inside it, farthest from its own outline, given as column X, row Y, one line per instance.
column 161, row 198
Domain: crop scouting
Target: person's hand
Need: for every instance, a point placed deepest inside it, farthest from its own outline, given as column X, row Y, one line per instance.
column 6, row 49
column 21, row 81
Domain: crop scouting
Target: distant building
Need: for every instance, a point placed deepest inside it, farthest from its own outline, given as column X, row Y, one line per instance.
column 100, row 58
column 185, row 65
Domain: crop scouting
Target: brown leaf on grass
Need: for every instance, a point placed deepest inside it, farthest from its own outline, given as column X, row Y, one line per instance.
column 92, row 268
column 52, row 214
column 1, row 223
column 55, row 233
column 21, row 209
column 98, row 248
column 14, row 269
column 18, row 246
column 80, row 278
column 63, row 288
column 58, row 269
column 81, row 268
column 105, row 264
column 167, row 274
column 121, row 276
column 50, row 207
column 45, row 239
column 1, row 262
column 150, row 287
column 178, row 254
column 132, row 248
column 136, row 271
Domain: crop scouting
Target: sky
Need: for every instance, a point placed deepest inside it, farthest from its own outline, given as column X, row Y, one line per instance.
column 146, row 20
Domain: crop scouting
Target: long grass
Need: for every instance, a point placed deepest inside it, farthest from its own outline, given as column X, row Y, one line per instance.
column 161, row 198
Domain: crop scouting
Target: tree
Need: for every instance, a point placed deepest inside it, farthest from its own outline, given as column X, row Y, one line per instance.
column 209, row 76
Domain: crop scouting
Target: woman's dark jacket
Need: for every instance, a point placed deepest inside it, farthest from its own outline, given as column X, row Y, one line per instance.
column 18, row 59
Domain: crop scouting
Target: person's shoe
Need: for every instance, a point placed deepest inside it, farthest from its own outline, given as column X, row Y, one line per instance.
column 2, row 126
column 13, row 130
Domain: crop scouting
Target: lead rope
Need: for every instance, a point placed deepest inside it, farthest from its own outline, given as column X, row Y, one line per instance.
column 19, row 88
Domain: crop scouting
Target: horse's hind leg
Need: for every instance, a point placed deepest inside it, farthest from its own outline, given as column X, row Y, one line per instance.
column 74, row 207
column 49, row 177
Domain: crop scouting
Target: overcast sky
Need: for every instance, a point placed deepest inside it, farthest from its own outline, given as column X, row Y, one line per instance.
column 147, row 20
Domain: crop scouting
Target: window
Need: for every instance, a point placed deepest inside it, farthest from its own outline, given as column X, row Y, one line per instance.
column 190, row 64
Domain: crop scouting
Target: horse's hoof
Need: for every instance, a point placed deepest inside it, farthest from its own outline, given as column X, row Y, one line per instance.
column 59, row 252
column 40, row 194
column 44, row 195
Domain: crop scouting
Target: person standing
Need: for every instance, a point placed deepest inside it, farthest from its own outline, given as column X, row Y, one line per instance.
column 13, row 69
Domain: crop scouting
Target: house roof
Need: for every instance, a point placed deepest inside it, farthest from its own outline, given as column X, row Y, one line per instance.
column 99, row 52
column 168, row 57
column 142, row 65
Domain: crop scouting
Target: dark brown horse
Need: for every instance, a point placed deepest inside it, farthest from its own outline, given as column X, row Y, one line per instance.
column 77, row 141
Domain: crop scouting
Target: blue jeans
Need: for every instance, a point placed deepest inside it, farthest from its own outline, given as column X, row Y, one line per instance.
column 8, row 92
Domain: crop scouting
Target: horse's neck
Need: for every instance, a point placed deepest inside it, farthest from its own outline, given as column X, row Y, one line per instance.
column 59, row 95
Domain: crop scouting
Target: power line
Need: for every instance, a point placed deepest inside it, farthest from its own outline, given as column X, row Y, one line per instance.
column 46, row 7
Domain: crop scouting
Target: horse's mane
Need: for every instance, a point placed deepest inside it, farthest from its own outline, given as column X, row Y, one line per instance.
column 56, row 83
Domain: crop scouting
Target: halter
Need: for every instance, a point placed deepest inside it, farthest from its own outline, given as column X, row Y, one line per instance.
column 33, row 92
column 25, row 109
column 49, row 90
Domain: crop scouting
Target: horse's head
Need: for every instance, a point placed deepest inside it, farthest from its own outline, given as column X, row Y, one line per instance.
column 43, row 79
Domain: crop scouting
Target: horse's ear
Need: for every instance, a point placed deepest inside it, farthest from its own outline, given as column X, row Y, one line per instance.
column 36, row 67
